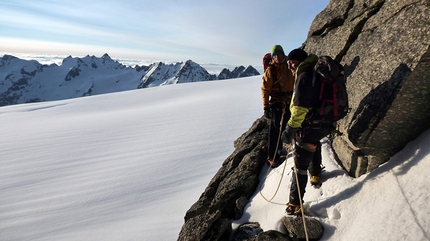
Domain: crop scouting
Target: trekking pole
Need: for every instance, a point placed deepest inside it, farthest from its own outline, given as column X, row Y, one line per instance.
column 300, row 199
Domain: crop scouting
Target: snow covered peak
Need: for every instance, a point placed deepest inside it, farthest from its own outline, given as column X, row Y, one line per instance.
column 181, row 72
column 26, row 81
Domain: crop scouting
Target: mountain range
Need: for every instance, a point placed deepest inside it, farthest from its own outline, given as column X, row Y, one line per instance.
column 27, row 81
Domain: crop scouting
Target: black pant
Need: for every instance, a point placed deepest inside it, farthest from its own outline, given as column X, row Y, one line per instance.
column 275, row 128
column 307, row 156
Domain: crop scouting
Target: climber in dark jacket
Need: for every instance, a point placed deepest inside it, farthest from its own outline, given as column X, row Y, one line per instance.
column 300, row 128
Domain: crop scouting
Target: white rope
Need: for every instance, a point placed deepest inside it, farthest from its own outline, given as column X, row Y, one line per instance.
column 301, row 202
column 274, row 157
column 282, row 176
column 279, row 184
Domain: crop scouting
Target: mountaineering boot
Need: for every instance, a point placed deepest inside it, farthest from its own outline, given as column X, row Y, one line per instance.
column 315, row 180
column 273, row 163
column 293, row 209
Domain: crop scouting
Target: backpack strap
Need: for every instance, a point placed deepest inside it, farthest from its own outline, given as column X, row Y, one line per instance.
column 273, row 73
column 335, row 112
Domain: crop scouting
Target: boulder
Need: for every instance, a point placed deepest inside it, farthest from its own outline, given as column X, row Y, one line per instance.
column 247, row 232
column 296, row 229
column 273, row 235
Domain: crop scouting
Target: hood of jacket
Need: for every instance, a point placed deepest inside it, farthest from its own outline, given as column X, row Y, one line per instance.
column 310, row 61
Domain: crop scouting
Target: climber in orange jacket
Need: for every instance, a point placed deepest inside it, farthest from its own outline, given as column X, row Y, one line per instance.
column 277, row 89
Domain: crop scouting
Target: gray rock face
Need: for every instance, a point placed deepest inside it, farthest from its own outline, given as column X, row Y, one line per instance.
column 229, row 190
column 384, row 46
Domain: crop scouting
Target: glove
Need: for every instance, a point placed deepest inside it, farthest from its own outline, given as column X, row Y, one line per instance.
column 287, row 135
column 267, row 112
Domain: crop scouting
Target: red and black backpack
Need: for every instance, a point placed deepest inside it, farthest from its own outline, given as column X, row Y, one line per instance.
column 333, row 97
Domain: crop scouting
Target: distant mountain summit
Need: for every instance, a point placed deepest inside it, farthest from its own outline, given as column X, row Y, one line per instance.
column 238, row 72
column 162, row 74
column 25, row 81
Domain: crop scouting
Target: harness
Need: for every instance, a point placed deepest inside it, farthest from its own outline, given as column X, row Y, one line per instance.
column 278, row 96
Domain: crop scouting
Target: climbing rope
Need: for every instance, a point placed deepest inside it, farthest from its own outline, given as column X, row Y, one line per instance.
column 301, row 202
column 279, row 184
column 274, row 157
column 282, row 176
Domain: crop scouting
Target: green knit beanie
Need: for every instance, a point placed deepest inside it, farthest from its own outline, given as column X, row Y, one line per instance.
column 277, row 49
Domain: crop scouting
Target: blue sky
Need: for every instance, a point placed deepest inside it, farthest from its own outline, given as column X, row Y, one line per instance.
column 235, row 32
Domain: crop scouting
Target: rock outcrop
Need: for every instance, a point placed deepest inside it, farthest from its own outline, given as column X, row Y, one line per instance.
column 229, row 190
column 384, row 46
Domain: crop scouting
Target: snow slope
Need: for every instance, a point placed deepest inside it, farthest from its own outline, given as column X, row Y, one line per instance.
column 128, row 165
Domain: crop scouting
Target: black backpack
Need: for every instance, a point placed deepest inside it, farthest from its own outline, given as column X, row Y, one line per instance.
column 333, row 97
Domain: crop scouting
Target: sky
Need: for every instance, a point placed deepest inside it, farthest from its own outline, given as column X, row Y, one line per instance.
column 128, row 165
column 232, row 32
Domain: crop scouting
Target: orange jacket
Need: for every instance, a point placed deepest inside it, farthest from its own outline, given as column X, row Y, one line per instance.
column 277, row 88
